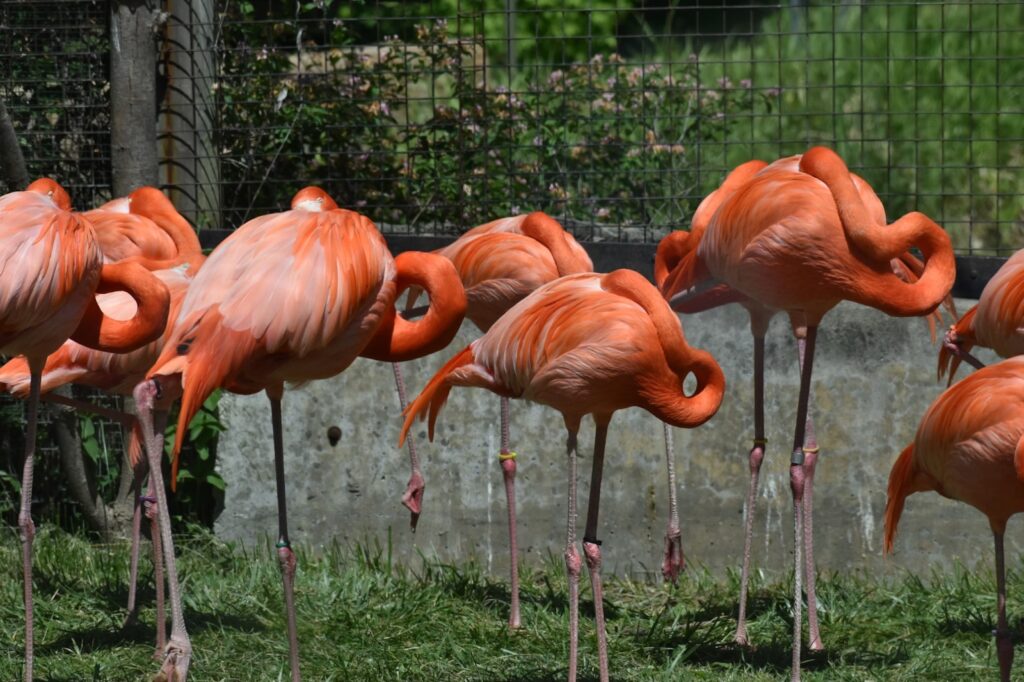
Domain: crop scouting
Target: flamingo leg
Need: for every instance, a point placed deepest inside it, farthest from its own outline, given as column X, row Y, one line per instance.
column 145, row 504
column 413, row 496
column 133, row 566
column 285, row 556
column 178, row 652
column 153, row 514
column 674, row 560
column 592, row 546
column 811, row 452
column 1004, row 638
column 508, row 471
column 25, row 525
column 573, row 565
column 756, row 458
column 797, row 476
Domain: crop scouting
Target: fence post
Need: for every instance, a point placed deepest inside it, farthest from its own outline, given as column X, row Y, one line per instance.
column 189, row 164
column 12, row 163
column 133, row 34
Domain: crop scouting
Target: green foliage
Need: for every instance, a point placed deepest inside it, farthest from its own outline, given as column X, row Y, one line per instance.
column 604, row 141
column 200, row 489
column 925, row 109
column 360, row 618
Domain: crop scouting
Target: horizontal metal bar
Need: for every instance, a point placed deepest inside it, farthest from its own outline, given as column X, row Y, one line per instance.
column 972, row 272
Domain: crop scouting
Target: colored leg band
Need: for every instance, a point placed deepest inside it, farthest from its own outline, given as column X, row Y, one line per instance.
column 506, row 455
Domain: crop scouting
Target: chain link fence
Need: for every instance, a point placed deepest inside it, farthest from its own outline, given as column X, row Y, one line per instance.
column 616, row 116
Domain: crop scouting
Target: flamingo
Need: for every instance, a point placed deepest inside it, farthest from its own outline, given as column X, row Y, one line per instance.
column 799, row 237
column 116, row 373
column 291, row 296
column 52, row 267
column 995, row 322
column 585, row 344
column 500, row 263
column 678, row 271
column 970, row 447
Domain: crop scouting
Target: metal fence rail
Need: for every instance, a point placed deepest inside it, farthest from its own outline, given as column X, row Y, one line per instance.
column 616, row 116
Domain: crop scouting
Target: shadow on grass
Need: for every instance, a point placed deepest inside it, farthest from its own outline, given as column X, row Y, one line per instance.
column 94, row 639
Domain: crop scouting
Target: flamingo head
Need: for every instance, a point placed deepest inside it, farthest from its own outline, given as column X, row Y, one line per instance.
column 49, row 187
column 313, row 199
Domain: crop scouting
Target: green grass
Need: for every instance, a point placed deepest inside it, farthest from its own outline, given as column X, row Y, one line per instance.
column 361, row 619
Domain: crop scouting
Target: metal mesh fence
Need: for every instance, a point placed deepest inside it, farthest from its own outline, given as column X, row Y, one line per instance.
column 617, row 116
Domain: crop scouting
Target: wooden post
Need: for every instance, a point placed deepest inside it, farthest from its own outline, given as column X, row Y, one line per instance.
column 12, row 162
column 134, row 26
column 189, row 164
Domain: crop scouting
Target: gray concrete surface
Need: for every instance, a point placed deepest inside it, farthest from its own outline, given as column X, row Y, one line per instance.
column 873, row 378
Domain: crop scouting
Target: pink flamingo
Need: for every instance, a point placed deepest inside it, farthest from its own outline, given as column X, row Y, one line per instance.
column 585, row 344
column 291, row 296
column 52, row 270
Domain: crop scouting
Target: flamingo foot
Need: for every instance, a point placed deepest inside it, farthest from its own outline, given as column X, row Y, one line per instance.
column 177, row 657
column 413, row 498
column 675, row 560
column 740, row 637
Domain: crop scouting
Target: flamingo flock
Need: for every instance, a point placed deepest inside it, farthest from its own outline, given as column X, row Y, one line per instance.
column 121, row 298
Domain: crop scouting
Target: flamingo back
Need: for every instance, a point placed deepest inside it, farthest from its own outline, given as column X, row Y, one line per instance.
column 999, row 319
column 49, row 268
column 968, row 440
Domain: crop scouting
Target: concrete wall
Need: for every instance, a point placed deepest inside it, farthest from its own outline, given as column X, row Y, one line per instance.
column 874, row 376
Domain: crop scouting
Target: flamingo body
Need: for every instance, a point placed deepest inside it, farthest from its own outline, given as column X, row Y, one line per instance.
column 996, row 322
column 970, row 447
column 49, row 269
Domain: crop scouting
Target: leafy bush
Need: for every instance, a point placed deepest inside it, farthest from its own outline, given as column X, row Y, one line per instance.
column 605, row 141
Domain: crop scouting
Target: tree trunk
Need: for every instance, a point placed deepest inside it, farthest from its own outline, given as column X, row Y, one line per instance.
column 110, row 521
column 134, row 29
column 12, row 163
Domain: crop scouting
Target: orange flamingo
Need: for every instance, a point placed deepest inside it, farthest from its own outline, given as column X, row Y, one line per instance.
column 291, row 296
column 129, row 237
column 679, row 272
column 500, row 263
column 52, row 268
column 995, row 322
column 585, row 344
column 800, row 237
column 970, row 447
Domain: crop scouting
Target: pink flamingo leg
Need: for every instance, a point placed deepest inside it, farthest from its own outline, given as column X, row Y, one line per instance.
column 153, row 514
column 573, row 565
column 811, row 451
column 508, row 471
column 413, row 496
column 797, row 476
column 25, row 525
column 674, row 561
column 592, row 546
column 756, row 458
column 133, row 566
column 1004, row 638
column 285, row 556
column 178, row 652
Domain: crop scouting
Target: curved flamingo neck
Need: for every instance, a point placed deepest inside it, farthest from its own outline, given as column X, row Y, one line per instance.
column 665, row 395
column 151, row 203
column 397, row 339
column 879, row 244
column 547, row 231
column 98, row 331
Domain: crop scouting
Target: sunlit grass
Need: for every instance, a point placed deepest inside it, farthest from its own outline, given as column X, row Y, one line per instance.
column 362, row 619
